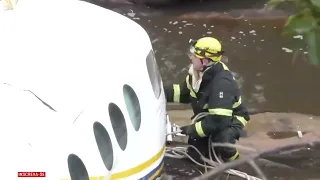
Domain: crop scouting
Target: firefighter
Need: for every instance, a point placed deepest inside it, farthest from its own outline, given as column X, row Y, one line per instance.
column 210, row 87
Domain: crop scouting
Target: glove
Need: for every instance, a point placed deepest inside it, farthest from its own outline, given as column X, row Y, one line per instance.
column 188, row 130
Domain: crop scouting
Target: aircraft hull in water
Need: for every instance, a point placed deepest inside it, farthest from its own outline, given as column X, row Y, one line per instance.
column 81, row 94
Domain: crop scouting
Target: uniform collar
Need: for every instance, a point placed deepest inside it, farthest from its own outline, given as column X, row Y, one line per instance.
column 209, row 72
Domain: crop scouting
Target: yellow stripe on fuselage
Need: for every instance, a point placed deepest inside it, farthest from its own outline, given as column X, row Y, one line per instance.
column 134, row 170
column 157, row 173
column 138, row 168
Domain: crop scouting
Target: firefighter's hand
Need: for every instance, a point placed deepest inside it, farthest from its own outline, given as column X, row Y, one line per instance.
column 187, row 130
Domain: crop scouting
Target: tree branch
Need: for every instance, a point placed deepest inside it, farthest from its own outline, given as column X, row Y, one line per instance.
column 225, row 166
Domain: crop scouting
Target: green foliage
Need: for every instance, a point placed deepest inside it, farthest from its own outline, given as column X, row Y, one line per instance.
column 305, row 22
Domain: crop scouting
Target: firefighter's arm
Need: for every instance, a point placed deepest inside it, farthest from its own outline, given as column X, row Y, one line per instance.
column 178, row 93
column 220, row 104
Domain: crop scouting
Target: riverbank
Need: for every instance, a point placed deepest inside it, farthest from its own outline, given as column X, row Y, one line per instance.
column 268, row 130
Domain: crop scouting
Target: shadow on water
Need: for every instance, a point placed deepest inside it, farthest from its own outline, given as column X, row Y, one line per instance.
column 271, row 77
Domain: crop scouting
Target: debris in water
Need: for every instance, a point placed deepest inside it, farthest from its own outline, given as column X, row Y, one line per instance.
column 131, row 14
column 180, row 27
column 258, row 87
column 262, row 40
column 184, row 21
column 170, row 22
column 298, row 37
column 136, row 18
column 233, row 37
column 259, row 97
column 155, row 40
column 204, row 25
column 174, row 23
column 165, row 29
column 212, row 26
column 180, row 32
column 209, row 32
column 240, row 32
column 252, row 31
column 287, row 50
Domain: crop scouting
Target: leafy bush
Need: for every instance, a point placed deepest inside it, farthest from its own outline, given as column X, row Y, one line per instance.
column 305, row 22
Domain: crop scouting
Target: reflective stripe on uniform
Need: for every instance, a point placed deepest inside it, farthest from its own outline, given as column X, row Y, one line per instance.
column 225, row 67
column 242, row 120
column 237, row 104
column 234, row 156
column 192, row 93
column 221, row 112
column 199, row 129
column 176, row 93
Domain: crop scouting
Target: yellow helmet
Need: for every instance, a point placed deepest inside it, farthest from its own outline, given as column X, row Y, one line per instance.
column 207, row 47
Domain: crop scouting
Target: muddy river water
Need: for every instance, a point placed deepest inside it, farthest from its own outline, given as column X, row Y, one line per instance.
column 271, row 77
column 272, row 71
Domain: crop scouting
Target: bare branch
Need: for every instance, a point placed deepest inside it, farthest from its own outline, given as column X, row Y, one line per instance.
column 233, row 146
column 257, row 169
column 225, row 166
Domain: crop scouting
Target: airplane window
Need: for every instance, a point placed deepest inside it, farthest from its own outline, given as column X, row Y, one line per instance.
column 77, row 169
column 119, row 125
column 133, row 106
column 154, row 74
column 104, row 144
